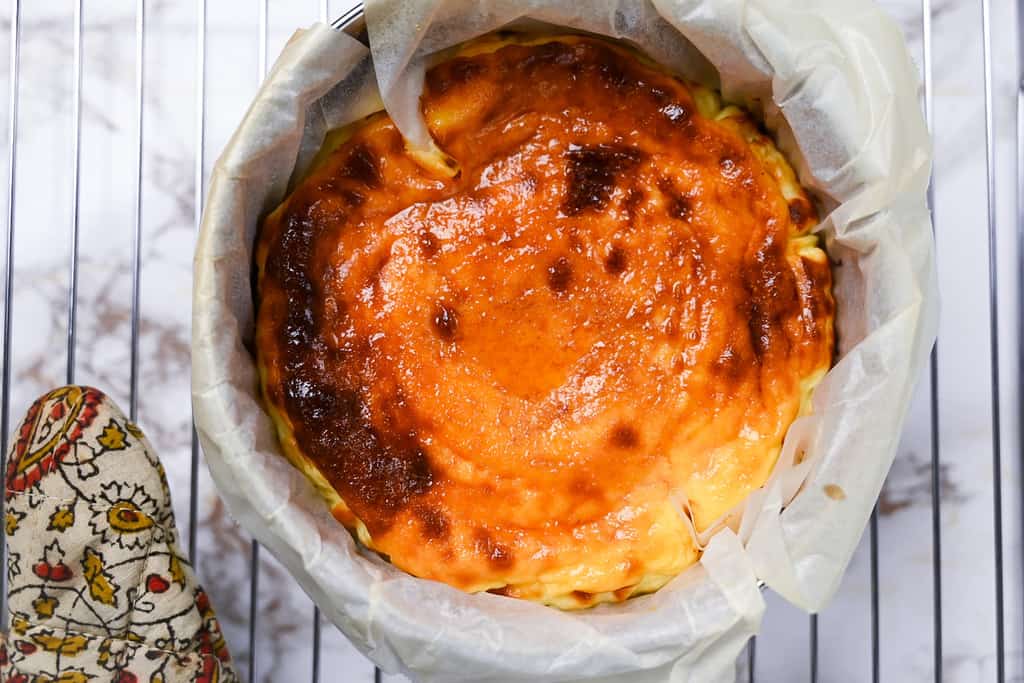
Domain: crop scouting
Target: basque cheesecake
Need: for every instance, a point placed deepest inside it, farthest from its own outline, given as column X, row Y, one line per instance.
column 539, row 365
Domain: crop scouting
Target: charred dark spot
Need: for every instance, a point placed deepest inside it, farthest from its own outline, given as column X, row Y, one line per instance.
column 428, row 243
column 772, row 296
column 498, row 555
column 287, row 264
column 435, row 523
column 824, row 305
column 419, row 475
column 729, row 364
column 759, row 327
column 362, row 165
column 593, row 172
column 799, row 211
column 556, row 53
column 560, row 274
column 680, row 207
column 354, row 198
column 446, row 321
column 553, row 53
column 677, row 205
column 612, row 73
column 583, row 596
column 505, row 591
column 816, row 298
column 377, row 473
column 624, row 436
column 583, row 486
column 393, row 410
column 615, row 261
column 454, row 73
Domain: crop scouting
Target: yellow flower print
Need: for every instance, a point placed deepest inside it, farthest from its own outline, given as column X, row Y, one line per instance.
column 62, row 518
column 44, row 606
column 68, row 646
column 133, row 429
column 11, row 521
column 101, row 587
column 113, row 437
column 175, row 570
column 19, row 622
column 126, row 517
column 131, row 518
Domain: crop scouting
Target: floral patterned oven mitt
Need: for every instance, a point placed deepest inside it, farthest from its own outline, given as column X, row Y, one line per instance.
column 98, row 588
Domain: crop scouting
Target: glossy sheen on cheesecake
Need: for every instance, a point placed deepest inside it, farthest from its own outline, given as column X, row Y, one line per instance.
column 523, row 378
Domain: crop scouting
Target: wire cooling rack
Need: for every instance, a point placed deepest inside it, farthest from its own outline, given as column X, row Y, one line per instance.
column 1000, row 617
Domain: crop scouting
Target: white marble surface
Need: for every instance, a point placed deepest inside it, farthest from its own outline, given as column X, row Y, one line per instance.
column 43, row 212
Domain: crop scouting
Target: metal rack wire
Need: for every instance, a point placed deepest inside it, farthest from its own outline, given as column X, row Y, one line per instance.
column 933, row 375
column 349, row 21
column 993, row 313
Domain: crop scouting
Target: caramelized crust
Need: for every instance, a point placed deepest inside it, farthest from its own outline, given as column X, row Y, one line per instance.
column 517, row 379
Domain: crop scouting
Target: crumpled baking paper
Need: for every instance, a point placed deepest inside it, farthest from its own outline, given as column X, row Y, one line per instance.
column 834, row 83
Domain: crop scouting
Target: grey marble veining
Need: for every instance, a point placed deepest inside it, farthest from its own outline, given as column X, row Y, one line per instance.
column 284, row 629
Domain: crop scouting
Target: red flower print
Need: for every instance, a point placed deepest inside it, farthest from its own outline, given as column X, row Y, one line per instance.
column 52, row 572
column 209, row 672
column 126, row 677
column 21, row 445
column 51, row 567
column 202, row 602
column 205, row 642
column 157, row 584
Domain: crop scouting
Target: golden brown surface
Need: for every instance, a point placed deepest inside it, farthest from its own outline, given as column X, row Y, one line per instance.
column 511, row 380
